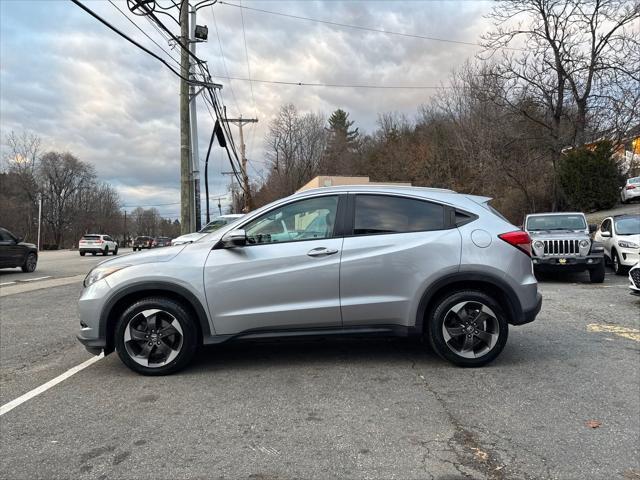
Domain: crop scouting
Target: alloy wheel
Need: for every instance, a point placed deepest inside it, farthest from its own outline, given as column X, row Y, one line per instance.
column 153, row 338
column 31, row 263
column 470, row 329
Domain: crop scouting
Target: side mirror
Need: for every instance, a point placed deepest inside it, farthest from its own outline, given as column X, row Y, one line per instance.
column 605, row 234
column 234, row 238
column 592, row 227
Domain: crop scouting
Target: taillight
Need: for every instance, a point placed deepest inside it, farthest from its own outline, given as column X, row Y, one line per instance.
column 519, row 239
column 98, row 241
column 630, row 187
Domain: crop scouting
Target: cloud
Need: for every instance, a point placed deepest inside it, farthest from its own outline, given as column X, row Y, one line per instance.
column 82, row 88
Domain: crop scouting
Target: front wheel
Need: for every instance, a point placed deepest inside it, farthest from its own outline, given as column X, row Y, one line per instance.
column 155, row 336
column 617, row 266
column 596, row 275
column 30, row 263
column 468, row 328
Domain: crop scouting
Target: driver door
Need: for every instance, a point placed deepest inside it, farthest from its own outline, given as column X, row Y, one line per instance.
column 287, row 276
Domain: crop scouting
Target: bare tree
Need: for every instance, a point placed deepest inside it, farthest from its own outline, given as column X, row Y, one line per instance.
column 575, row 60
column 63, row 178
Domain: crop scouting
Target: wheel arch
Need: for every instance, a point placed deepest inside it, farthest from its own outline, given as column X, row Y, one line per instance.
column 487, row 283
column 126, row 296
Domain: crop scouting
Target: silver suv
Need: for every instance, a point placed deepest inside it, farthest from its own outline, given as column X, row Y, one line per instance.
column 332, row 261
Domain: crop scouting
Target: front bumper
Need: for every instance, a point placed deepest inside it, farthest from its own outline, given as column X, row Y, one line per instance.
column 569, row 264
column 90, row 306
column 628, row 256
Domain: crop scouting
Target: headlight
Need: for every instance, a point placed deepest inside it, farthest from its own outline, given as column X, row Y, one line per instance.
column 538, row 245
column 584, row 243
column 99, row 273
column 623, row 244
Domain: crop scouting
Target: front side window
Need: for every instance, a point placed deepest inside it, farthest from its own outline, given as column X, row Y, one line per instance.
column 309, row 219
column 386, row 214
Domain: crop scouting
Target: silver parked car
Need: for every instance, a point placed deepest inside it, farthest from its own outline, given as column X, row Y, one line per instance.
column 340, row 260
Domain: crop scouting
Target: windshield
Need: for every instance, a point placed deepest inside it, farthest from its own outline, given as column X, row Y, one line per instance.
column 213, row 226
column 628, row 225
column 556, row 222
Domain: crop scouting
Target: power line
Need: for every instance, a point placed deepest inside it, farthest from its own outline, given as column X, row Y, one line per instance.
column 224, row 62
column 143, row 32
column 356, row 27
column 129, row 39
column 333, row 85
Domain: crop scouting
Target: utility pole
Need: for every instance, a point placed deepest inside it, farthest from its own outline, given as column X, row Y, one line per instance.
column 248, row 201
column 196, row 218
column 233, row 191
column 39, row 217
column 186, row 193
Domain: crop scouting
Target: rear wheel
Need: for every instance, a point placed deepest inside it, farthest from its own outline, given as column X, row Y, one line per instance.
column 82, row 254
column 94, row 253
column 155, row 336
column 115, row 252
column 596, row 275
column 468, row 328
column 106, row 251
column 30, row 263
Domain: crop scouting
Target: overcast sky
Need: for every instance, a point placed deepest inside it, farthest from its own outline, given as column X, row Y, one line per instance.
column 83, row 89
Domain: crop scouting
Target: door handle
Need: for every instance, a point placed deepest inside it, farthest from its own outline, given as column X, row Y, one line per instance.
column 321, row 252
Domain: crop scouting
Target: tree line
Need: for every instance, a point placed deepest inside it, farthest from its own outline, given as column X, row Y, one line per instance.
column 503, row 124
column 74, row 201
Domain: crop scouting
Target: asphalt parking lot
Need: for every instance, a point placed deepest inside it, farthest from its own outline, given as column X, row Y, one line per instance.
column 349, row 408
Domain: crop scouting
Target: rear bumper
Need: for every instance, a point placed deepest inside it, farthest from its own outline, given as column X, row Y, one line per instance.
column 529, row 316
column 91, row 249
column 571, row 264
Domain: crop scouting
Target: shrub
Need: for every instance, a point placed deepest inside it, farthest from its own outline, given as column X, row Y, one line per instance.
column 589, row 178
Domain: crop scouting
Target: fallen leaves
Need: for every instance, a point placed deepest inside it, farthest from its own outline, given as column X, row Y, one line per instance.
column 593, row 423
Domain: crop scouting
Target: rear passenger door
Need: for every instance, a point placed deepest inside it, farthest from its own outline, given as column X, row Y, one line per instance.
column 395, row 246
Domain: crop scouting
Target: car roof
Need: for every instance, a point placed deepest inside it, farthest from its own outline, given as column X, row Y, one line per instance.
column 375, row 189
column 554, row 213
column 626, row 215
column 231, row 215
column 95, row 234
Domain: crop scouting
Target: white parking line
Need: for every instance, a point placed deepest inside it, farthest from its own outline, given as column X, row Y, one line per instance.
column 7, row 407
column 34, row 279
column 6, row 283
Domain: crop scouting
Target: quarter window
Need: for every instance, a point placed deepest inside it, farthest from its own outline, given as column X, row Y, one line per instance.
column 309, row 219
column 386, row 214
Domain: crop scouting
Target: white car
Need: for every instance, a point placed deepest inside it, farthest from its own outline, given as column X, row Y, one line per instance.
column 631, row 190
column 212, row 226
column 620, row 236
column 95, row 243
column 634, row 280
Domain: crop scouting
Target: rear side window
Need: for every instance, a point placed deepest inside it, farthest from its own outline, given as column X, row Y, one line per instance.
column 376, row 214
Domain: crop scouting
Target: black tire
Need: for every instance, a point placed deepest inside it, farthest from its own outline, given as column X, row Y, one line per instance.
column 596, row 275
column 115, row 252
column 30, row 263
column 94, row 253
column 618, row 269
column 188, row 346
column 106, row 251
column 440, row 313
column 82, row 254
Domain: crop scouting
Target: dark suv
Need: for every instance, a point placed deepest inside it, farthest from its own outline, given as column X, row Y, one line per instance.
column 142, row 242
column 16, row 253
